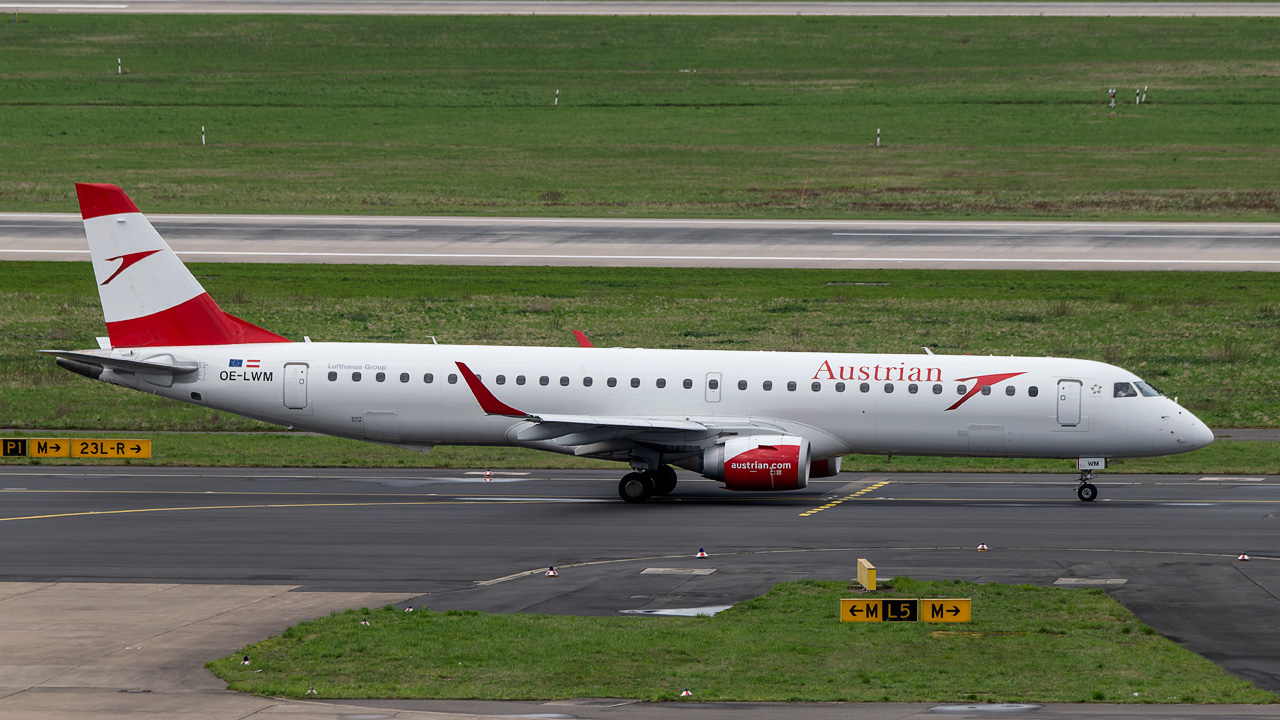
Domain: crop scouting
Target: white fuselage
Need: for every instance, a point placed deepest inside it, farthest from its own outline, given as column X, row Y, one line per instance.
column 842, row 403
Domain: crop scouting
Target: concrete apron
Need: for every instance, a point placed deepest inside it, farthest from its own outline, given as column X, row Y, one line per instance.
column 106, row 650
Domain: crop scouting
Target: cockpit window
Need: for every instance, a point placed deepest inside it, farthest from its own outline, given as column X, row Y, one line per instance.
column 1147, row 390
column 1124, row 389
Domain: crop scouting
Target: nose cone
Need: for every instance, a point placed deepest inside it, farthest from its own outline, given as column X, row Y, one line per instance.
column 1201, row 435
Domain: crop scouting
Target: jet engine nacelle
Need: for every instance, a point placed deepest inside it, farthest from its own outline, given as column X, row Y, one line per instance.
column 759, row 462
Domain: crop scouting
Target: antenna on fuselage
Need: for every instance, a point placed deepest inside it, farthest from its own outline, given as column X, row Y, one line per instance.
column 926, row 350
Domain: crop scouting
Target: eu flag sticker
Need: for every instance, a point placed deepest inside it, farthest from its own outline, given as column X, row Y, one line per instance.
column 236, row 363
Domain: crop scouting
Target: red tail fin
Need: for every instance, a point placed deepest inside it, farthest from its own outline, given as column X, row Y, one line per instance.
column 149, row 298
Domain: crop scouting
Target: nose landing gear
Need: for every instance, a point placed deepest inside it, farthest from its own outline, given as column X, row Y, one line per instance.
column 1086, row 490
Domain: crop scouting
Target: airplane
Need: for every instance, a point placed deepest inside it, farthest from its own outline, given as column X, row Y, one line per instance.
column 752, row 420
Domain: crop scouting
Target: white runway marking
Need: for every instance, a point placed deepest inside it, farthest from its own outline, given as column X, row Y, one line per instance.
column 690, row 258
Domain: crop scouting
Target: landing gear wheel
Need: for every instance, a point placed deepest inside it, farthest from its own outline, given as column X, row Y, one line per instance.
column 664, row 480
column 1086, row 492
column 636, row 487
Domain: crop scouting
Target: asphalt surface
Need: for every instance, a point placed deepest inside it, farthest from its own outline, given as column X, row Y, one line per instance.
column 457, row 541
column 622, row 7
column 675, row 243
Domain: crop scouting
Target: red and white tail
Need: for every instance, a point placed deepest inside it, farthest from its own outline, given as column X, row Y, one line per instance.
column 149, row 298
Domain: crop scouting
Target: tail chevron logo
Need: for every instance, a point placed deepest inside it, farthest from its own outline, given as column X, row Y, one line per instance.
column 127, row 261
column 979, row 382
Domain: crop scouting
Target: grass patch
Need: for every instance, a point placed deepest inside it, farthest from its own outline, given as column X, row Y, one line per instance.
column 657, row 116
column 283, row 449
column 1208, row 338
column 1025, row 644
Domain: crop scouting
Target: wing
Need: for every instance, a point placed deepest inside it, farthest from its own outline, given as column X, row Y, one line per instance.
column 611, row 434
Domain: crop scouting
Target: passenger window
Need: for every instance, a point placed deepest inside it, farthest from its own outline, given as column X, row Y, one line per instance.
column 355, row 377
column 586, row 382
column 742, row 384
column 380, row 377
column 1009, row 390
column 791, row 385
column 635, row 382
column 1033, row 391
column 913, row 388
column 428, row 378
column 817, row 386
column 662, row 382
column 1124, row 389
column 612, row 382
column 453, row 378
column 865, row 387
column 688, row 384
column 986, row 389
column 501, row 379
column 404, row 377
column 768, row 384
column 839, row 387
column 564, row 380
column 961, row 390
column 713, row 384
column 332, row 376
column 544, row 380
column 888, row 388
column 937, row 389
column 519, row 379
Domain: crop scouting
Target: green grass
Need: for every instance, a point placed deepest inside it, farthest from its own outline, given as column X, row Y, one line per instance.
column 981, row 117
column 281, row 449
column 1209, row 338
column 1025, row 644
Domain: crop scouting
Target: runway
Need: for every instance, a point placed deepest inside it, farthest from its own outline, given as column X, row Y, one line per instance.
column 623, row 7
column 841, row 244
column 1165, row 546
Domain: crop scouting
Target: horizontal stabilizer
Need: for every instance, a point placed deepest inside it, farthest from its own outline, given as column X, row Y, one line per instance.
column 145, row 367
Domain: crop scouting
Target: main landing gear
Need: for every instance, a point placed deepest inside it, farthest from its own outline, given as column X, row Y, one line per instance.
column 1086, row 490
column 638, row 487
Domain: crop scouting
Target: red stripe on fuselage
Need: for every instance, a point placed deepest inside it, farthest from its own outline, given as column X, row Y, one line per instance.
column 198, row 321
column 978, row 382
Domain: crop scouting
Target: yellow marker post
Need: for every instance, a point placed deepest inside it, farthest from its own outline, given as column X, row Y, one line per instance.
column 102, row 448
column 950, row 610
column 859, row 610
column 49, row 447
column 867, row 574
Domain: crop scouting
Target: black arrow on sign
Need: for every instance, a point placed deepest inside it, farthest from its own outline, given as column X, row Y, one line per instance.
column 137, row 448
column 853, row 610
column 955, row 609
column 55, row 447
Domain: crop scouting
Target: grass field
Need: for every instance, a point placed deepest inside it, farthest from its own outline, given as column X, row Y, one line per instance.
column 1209, row 338
column 1025, row 644
column 980, row 117
column 280, row 449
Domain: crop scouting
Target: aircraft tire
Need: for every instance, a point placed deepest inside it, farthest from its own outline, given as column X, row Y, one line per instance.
column 635, row 487
column 1087, row 492
column 664, row 480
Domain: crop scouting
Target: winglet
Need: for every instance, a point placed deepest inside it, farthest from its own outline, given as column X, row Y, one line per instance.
column 490, row 404
column 582, row 339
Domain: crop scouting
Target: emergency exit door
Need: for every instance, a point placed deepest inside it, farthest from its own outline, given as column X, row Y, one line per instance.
column 295, row 386
column 1069, row 402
